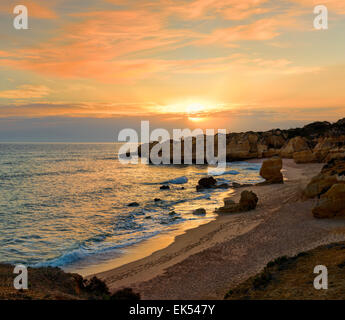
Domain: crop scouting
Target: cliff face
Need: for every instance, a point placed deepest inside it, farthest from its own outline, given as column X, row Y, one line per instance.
column 315, row 142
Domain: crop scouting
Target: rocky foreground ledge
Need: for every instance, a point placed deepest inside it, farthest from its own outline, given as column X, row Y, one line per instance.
column 315, row 142
column 49, row 283
column 291, row 277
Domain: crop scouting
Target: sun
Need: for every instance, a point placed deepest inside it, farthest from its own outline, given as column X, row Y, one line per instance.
column 195, row 119
column 193, row 111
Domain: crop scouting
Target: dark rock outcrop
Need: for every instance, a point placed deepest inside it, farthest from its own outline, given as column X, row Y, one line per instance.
column 240, row 185
column 48, row 283
column 206, row 183
column 247, row 202
column 199, row 212
column 133, row 204
column 315, row 142
column 210, row 183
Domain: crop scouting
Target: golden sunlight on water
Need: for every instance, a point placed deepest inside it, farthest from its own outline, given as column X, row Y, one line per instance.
column 71, row 203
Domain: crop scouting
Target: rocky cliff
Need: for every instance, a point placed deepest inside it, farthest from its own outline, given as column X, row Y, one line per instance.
column 315, row 142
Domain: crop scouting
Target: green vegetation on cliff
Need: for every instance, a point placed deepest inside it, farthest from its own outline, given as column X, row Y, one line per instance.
column 293, row 277
column 54, row 284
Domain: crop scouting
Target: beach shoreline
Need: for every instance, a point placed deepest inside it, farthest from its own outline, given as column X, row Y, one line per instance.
column 204, row 262
column 106, row 261
column 111, row 260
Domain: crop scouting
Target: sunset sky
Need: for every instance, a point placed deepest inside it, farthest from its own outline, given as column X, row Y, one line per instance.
column 86, row 69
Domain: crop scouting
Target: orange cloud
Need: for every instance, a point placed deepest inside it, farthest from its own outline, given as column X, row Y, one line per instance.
column 4, row 54
column 94, row 110
column 39, row 11
column 36, row 9
column 262, row 29
column 104, row 45
column 334, row 5
column 123, row 46
column 206, row 9
column 25, row 92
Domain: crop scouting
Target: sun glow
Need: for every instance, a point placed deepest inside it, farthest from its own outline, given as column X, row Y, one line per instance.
column 195, row 119
column 193, row 110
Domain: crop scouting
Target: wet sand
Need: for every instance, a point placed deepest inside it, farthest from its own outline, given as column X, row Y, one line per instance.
column 205, row 262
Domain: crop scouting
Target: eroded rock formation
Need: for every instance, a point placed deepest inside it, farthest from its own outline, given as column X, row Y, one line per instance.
column 329, row 187
column 210, row 183
column 332, row 173
column 331, row 203
column 271, row 171
column 247, row 202
column 315, row 142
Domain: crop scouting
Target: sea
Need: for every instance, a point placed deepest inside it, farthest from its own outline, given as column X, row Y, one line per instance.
column 68, row 204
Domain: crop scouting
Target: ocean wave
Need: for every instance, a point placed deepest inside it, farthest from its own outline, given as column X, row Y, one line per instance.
column 219, row 172
column 84, row 252
column 179, row 180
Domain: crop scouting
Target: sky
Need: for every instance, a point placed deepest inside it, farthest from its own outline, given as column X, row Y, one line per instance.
column 86, row 69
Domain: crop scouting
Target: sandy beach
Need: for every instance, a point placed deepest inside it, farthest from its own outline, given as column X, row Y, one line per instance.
column 205, row 262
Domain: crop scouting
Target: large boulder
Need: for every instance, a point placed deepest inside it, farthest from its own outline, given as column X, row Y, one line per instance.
column 206, row 183
column 306, row 156
column 133, row 204
column 270, row 170
column 319, row 184
column 295, row 144
column 247, row 202
column 210, row 183
column 331, row 203
column 332, row 173
column 199, row 212
column 271, row 152
column 328, row 148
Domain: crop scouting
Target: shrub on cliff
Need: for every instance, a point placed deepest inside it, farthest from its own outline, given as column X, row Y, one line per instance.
column 125, row 294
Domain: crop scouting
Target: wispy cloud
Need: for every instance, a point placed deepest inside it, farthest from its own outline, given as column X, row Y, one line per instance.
column 25, row 92
column 37, row 9
column 124, row 45
column 106, row 60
